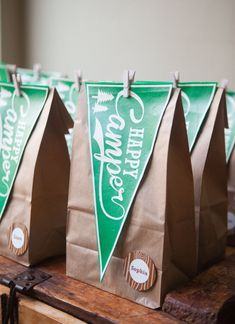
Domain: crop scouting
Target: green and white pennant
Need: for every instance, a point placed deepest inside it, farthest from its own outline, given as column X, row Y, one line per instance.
column 196, row 99
column 230, row 131
column 69, row 94
column 18, row 116
column 122, row 136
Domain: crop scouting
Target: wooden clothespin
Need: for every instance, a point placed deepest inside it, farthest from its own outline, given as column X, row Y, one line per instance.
column 128, row 78
column 224, row 83
column 78, row 79
column 37, row 68
column 16, row 81
column 176, row 78
column 11, row 68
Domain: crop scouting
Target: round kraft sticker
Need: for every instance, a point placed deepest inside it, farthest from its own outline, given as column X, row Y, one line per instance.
column 18, row 239
column 139, row 271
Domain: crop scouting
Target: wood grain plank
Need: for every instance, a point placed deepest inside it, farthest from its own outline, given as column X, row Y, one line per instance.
column 83, row 301
column 201, row 300
column 34, row 311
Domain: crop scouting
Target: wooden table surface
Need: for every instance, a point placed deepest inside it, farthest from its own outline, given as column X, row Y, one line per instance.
column 200, row 301
column 83, row 301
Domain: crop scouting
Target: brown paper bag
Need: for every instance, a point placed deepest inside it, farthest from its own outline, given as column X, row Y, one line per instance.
column 160, row 227
column 230, row 158
column 210, row 184
column 33, row 225
column 231, row 199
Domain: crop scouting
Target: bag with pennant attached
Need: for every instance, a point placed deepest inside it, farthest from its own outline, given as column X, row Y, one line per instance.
column 131, row 224
column 230, row 158
column 34, row 173
column 205, row 114
column 69, row 93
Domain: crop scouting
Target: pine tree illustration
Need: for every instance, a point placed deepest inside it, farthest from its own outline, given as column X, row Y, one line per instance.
column 103, row 96
column 99, row 108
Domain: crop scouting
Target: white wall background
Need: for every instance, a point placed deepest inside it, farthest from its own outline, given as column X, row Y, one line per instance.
column 103, row 37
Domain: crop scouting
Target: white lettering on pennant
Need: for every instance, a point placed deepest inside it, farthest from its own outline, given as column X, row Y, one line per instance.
column 111, row 156
column 132, row 163
column 12, row 138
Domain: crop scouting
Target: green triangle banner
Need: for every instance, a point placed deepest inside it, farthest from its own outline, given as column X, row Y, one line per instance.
column 28, row 76
column 69, row 94
column 196, row 99
column 18, row 116
column 122, row 136
column 230, row 132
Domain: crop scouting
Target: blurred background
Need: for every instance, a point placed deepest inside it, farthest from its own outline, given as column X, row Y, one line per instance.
column 103, row 37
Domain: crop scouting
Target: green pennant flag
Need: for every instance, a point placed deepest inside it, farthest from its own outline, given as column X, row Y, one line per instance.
column 196, row 99
column 18, row 116
column 28, row 76
column 230, row 132
column 122, row 136
column 69, row 94
column 4, row 75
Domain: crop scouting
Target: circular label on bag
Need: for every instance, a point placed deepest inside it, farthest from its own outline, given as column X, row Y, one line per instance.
column 18, row 239
column 139, row 271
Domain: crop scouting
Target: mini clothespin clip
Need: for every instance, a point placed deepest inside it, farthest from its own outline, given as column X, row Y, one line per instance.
column 78, row 79
column 16, row 81
column 11, row 68
column 37, row 68
column 128, row 78
column 224, row 83
column 176, row 78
